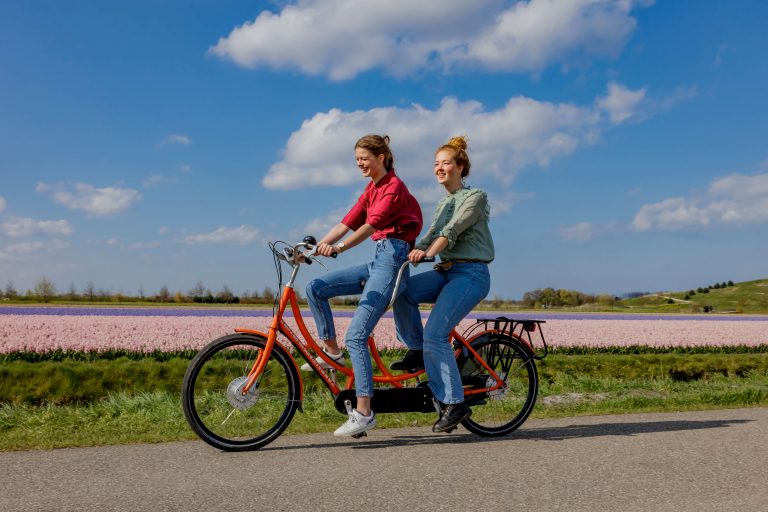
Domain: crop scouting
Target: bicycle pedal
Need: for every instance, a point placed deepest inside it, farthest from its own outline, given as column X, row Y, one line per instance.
column 358, row 436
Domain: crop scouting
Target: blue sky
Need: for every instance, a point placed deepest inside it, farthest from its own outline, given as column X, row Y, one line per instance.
column 623, row 143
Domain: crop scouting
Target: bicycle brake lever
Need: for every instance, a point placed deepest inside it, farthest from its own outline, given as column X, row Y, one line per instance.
column 319, row 263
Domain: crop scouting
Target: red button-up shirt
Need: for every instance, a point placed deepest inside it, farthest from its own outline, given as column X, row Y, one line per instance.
column 389, row 208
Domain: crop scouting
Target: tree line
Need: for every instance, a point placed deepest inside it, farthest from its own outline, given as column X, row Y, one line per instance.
column 45, row 291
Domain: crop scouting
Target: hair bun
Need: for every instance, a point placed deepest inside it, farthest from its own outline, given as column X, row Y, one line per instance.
column 458, row 142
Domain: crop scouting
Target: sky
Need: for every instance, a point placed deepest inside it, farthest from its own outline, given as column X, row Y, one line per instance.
column 623, row 143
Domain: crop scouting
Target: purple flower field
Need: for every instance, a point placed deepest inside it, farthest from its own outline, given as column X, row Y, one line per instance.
column 44, row 329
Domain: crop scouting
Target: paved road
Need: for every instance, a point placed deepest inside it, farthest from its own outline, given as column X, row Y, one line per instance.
column 695, row 461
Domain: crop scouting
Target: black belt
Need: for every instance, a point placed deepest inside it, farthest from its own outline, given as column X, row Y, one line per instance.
column 447, row 264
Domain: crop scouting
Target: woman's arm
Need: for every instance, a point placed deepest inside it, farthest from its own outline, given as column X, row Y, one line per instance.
column 326, row 246
column 472, row 210
column 437, row 245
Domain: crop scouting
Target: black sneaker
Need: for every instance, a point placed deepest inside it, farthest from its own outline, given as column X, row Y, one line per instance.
column 452, row 415
column 413, row 361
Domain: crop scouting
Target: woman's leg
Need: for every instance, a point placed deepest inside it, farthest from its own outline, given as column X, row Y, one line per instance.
column 377, row 292
column 348, row 281
column 421, row 288
column 467, row 284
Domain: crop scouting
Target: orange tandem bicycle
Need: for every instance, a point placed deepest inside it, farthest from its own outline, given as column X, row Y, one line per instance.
column 241, row 391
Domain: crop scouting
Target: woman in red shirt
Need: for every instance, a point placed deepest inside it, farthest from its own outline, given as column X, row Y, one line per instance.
column 388, row 214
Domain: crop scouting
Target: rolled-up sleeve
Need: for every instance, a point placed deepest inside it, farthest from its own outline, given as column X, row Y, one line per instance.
column 356, row 216
column 472, row 209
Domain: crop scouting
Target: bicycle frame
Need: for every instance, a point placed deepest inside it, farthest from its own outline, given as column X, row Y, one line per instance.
column 278, row 326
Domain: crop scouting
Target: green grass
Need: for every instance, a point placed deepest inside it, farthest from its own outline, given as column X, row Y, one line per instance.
column 744, row 297
column 88, row 401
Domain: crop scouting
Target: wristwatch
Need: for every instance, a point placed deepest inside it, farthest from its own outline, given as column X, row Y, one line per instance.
column 340, row 246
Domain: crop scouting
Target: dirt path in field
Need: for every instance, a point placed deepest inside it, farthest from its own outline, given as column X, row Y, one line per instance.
column 713, row 460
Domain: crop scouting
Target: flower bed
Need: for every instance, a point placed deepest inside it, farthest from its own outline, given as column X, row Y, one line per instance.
column 100, row 333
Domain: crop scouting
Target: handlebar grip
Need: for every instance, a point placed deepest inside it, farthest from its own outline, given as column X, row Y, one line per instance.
column 428, row 259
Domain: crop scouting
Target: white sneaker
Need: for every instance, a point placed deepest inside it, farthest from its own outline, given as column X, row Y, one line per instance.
column 338, row 359
column 356, row 424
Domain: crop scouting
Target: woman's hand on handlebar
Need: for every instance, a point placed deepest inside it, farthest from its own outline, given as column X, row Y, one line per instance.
column 416, row 255
column 327, row 250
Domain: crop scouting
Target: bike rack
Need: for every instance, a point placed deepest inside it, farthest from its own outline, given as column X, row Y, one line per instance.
column 522, row 329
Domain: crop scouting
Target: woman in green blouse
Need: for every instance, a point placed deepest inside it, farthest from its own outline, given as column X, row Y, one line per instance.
column 459, row 234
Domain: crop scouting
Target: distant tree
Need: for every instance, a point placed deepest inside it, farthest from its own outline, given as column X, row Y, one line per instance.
column 705, row 290
column 605, row 300
column 691, row 292
column 268, row 295
column 198, row 290
column 225, row 295
column 178, row 298
column 89, row 291
column 72, row 292
column 44, row 289
column 10, row 291
column 723, row 285
column 716, row 286
column 141, row 293
column 163, row 295
column 730, row 283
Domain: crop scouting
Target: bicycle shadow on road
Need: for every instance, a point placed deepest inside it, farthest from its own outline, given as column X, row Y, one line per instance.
column 563, row 433
column 621, row 429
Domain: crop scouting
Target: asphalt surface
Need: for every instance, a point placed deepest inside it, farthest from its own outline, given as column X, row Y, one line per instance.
column 693, row 461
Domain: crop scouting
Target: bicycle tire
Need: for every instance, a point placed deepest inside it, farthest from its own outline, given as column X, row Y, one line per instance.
column 222, row 416
column 497, row 413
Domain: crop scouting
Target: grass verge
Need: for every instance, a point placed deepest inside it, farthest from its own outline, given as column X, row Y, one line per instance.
column 140, row 401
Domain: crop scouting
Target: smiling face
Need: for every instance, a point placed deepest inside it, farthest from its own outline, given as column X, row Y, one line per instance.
column 371, row 165
column 447, row 172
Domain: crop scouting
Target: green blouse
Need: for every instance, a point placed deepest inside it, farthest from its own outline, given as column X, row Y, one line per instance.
column 462, row 218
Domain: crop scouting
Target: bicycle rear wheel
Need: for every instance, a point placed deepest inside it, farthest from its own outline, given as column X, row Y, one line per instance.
column 216, row 409
column 499, row 412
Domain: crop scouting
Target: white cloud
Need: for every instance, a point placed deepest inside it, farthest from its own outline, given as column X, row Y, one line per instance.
column 620, row 103
column 737, row 199
column 162, row 230
column 241, row 235
column 342, row 39
column 142, row 245
column 157, row 180
column 523, row 132
column 581, row 232
column 94, row 201
column 175, row 138
column 18, row 226
column 29, row 250
column 721, row 50
column 3, row 204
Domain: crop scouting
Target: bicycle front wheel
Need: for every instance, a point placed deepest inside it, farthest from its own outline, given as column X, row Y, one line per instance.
column 499, row 412
column 212, row 396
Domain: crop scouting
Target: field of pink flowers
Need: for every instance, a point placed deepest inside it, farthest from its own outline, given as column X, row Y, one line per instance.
column 40, row 333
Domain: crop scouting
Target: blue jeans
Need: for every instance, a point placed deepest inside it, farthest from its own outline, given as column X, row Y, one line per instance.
column 454, row 293
column 374, row 281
